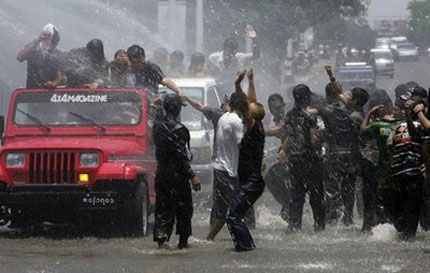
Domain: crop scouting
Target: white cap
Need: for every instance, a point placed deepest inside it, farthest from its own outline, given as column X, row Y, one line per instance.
column 48, row 29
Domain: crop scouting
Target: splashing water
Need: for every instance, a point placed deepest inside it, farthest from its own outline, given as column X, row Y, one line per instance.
column 383, row 233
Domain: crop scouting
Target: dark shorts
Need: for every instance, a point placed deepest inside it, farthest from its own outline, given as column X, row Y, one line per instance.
column 223, row 189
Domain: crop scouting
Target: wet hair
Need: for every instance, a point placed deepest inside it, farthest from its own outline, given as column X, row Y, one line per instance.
column 239, row 102
column 196, row 60
column 134, row 52
column 96, row 49
column 275, row 97
column 118, row 52
column 172, row 104
column 55, row 39
column 381, row 97
column 381, row 112
column 361, row 95
column 231, row 44
column 301, row 92
column 400, row 90
column 257, row 110
column 178, row 56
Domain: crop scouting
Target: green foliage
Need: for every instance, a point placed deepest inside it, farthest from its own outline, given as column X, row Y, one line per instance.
column 346, row 31
column 419, row 25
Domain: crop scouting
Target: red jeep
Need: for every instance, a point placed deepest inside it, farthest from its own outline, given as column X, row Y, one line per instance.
column 77, row 154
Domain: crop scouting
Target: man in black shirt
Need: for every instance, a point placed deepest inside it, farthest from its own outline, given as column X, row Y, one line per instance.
column 301, row 156
column 43, row 68
column 86, row 66
column 338, row 134
column 172, row 181
column 147, row 74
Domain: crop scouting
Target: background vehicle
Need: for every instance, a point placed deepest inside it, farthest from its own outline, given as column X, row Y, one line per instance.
column 382, row 42
column 383, row 61
column 356, row 75
column 406, row 51
column 395, row 41
column 78, row 155
column 201, row 130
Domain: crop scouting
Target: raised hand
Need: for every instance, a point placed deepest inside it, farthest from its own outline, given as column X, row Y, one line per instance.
column 329, row 70
column 250, row 32
column 250, row 74
column 418, row 108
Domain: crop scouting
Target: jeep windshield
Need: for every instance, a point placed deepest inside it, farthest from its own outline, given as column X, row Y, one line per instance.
column 78, row 108
column 190, row 117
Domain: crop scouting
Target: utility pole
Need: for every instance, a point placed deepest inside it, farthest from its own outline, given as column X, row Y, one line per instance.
column 199, row 25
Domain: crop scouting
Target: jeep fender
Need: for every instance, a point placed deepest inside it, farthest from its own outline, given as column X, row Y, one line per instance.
column 5, row 177
column 117, row 170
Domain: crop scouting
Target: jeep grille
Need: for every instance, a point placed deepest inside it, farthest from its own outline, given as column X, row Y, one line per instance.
column 52, row 167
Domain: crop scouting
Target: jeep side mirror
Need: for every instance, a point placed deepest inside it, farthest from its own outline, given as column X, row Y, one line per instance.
column 1, row 129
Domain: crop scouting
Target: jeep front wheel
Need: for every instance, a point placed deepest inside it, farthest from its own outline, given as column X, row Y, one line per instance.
column 139, row 211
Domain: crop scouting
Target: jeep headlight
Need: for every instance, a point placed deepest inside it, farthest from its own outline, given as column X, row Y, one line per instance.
column 89, row 160
column 15, row 160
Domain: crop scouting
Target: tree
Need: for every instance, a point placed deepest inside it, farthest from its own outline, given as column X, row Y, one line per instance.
column 419, row 24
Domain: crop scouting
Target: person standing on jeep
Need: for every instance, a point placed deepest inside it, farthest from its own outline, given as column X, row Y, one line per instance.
column 43, row 66
column 172, row 180
column 223, row 64
column 147, row 74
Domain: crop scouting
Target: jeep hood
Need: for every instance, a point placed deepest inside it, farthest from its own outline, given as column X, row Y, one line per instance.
column 107, row 145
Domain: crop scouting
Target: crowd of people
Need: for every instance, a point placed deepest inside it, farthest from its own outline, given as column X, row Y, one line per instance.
column 326, row 145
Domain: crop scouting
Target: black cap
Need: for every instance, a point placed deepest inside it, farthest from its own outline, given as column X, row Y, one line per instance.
column 135, row 52
column 302, row 91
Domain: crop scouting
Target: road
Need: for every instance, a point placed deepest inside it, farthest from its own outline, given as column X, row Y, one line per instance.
column 338, row 249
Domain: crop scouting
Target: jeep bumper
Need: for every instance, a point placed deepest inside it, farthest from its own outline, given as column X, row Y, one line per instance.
column 59, row 196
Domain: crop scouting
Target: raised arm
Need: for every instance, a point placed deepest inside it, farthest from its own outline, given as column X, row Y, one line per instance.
column 411, row 126
column 252, row 96
column 30, row 47
column 252, row 34
column 336, row 85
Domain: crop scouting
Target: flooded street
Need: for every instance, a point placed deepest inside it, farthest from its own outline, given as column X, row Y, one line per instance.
column 338, row 249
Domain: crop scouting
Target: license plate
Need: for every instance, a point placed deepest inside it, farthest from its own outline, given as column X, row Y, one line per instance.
column 97, row 200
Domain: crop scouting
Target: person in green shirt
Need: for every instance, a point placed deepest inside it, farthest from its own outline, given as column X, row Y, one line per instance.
column 384, row 195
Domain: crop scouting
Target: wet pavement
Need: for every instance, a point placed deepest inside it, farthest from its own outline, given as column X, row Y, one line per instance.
column 338, row 249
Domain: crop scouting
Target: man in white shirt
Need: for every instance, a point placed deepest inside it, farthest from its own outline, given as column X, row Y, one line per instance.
column 222, row 65
column 229, row 133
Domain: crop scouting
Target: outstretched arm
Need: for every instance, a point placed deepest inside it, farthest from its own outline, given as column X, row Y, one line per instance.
column 169, row 83
column 194, row 103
